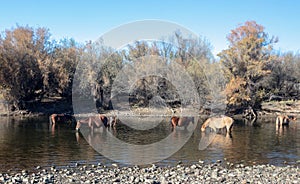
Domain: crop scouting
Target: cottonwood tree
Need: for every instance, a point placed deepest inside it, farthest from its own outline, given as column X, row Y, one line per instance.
column 246, row 61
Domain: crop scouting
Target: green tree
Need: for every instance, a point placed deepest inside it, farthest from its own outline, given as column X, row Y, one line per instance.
column 246, row 61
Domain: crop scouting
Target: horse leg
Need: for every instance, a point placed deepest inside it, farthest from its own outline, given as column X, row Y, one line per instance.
column 90, row 123
column 180, row 123
column 115, row 122
column 52, row 119
column 228, row 128
column 78, row 124
column 173, row 123
column 278, row 122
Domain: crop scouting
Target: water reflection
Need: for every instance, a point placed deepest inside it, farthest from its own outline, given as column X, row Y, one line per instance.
column 30, row 142
column 139, row 146
column 215, row 139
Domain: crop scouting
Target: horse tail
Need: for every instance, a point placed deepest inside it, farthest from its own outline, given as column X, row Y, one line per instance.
column 231, row 120
column 104, row 120
column 205, row 124
column 286, row 120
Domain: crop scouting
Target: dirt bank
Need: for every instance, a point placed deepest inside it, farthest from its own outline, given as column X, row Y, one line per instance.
column 281, row 107
column 54, row 105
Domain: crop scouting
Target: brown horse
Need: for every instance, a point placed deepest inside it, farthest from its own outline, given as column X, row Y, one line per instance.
column 284, row 120
column 181, row 121
column 176, row 121
column 62, row 119
column 98, row 120
column 218, row 123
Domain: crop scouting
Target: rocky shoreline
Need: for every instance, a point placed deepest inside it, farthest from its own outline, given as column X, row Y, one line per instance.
column 200, row 172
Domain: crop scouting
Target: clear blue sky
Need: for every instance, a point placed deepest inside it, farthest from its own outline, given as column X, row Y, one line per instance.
column 88, row 20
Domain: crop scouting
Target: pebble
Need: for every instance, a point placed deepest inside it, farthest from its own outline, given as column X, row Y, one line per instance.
column 201, row 161
column 114, row 165
column 195, row 173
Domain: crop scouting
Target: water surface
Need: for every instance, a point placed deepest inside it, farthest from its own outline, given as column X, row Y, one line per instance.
column 30, row 142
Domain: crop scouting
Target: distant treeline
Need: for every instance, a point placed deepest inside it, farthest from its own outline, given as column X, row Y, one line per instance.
column 35, row 67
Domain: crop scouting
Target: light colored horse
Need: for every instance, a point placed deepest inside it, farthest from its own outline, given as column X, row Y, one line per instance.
column 97, row 121
column 218, row 123
column 284, row 120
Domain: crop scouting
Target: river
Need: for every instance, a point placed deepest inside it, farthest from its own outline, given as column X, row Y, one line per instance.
column 30, row 142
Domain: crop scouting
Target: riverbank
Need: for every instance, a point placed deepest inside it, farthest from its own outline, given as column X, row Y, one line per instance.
column 44, row 107
column 50, row 106
column 196, row 173
column 281, row 107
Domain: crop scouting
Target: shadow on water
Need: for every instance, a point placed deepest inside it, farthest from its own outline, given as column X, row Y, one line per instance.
column 27, row 143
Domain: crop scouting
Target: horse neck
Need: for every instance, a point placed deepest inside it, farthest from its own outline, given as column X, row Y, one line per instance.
column 206, row 123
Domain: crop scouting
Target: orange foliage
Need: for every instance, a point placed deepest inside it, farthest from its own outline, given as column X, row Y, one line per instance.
column 236, row 91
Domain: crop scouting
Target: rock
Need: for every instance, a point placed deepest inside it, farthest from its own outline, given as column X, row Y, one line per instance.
column 131, row 178
column 231, row 175
column 117, row 180
column 137, row 180
column 193, row 167
column 196, row 173
column 214, row 174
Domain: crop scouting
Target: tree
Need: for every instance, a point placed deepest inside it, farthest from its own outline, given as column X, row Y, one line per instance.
column 32, row 66
column 246, row 61
column 283, row 82
column 23, row 59
column 95, row 73
column 100, row 66
column 59, row 77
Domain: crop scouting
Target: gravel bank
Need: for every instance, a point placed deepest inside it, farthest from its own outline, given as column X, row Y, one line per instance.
column 196, row 173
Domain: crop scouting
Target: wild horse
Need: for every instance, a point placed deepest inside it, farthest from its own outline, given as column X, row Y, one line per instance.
column 67, row 120
column 218, row 123
column 284, row 120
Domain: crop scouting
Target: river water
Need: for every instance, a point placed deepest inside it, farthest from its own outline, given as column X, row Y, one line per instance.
column 30, row 142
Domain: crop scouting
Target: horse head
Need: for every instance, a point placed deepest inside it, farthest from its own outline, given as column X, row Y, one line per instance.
column 205, row 124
